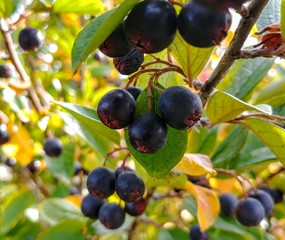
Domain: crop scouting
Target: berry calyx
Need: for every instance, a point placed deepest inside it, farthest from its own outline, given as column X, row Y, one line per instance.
column 111, row 215
column 101, row 182
column 129, row 186
column 151, row 26
column 53, row 147
column 136, row 208
column 116, row 45
column 228, row 203
column 90, row 206
column 180, row 107
column 5, row 71
column 129, row 63
column 147, row 133
column 203, row 26
column 116, row 109
column 30, row 39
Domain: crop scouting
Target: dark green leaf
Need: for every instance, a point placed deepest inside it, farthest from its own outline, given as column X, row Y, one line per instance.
column 270, row 14
column 173, row 234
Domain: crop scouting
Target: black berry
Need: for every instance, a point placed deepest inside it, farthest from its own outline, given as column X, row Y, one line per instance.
column 129, row 63
column 116, row 109
column 53, row 147
column 90, row 206
column 5, row 71
column 228, row 203
column 180, row 107
column 10, row 162
column 136, row 208
column 34, row 166
column 276, row 194
column 116, row 45
column 196, row 234
column 121, row 170
column 101, row 182
column 129, row 186
column 265, row 199
column 134, row 91
column 249, row 212
column 111, row 215
column 203, row 26
column 151, row 25
column 4, row 134
column 147, row 133
column 30, row 39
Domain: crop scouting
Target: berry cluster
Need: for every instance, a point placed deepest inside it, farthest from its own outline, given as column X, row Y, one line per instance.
column 151, row 26
column 102, row 183
column 148, row 132
column 253, row 209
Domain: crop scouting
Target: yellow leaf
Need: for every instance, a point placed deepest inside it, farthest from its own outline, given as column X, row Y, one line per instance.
column 75, row 199
column 195, row 164
column 226, row 185
column 208, row 204
column 19, row 145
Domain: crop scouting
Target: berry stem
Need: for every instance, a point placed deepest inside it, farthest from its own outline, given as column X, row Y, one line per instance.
column 109, row 154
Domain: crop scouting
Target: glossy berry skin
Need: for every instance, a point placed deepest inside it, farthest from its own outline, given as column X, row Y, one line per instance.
column 265, row 199
column 147, row 133
column 119, row 170
column 276, row 194
column 129, row 63
column 101, row 182
column 116, row 45
column 180, row 107
column 34, row 166
column 111, row 215
column 129, row 186
column 53, row 147
column 228, row 203
column 196, row 234
column 116, row 109
column 151, row 25
column 30, row 39
column 201, row 26
column 90, row 206
column 134, row 91
column 5, row 71
column 4, row 134
column 10, row 162
column 249, row 212
column 136, row 208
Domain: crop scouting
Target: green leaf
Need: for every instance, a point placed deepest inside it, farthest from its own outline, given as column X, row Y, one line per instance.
column 56, row 210
column 85, row 122
column 8, row 7
column 78, row 6
column 97, row 31
column 67, row 230
column 223, row 107
column 270, row 14
column 14, row 206
column 172, row 179
column 282, row 22
column 272, row 135
column 229, row 147
column 191, row 59
column 62, row 166
column 173, row 234
column 244, row 76
column 161, row 162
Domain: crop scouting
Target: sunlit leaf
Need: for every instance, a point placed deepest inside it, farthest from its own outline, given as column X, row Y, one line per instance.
column 191, row 59
column 195, row 164
column 223, row 107
column 172, row 179
column 282, row 21
column 97, row 31
column 226, row 185
column 78, row 6
column 208, row 204
column 8, row 7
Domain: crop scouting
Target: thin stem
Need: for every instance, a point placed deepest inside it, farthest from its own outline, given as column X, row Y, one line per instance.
column 110, row 153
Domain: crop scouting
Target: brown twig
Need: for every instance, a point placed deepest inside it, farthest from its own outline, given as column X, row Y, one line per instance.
column 110, row 153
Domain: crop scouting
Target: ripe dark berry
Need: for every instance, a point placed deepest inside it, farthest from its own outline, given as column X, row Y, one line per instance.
column 4, row 134
column 111, row 215
column 90, row 206
column 129, row 186
column 116, row 45
column 134, row 91
column 201, row 26
column 30, row 39
column 135, row 208
column 101, row 182
column 180, row 107
column 119, row 170
column 53, row 147
column 10, row 162
column 249, row 212
column 276, row 194
column 116, row 109
column 265, row 199
column 228, row 203
column 129, row 63
column 151, row 25
column 196, row 234
column 34, row 166
column 147, row 133
column 5, row 71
